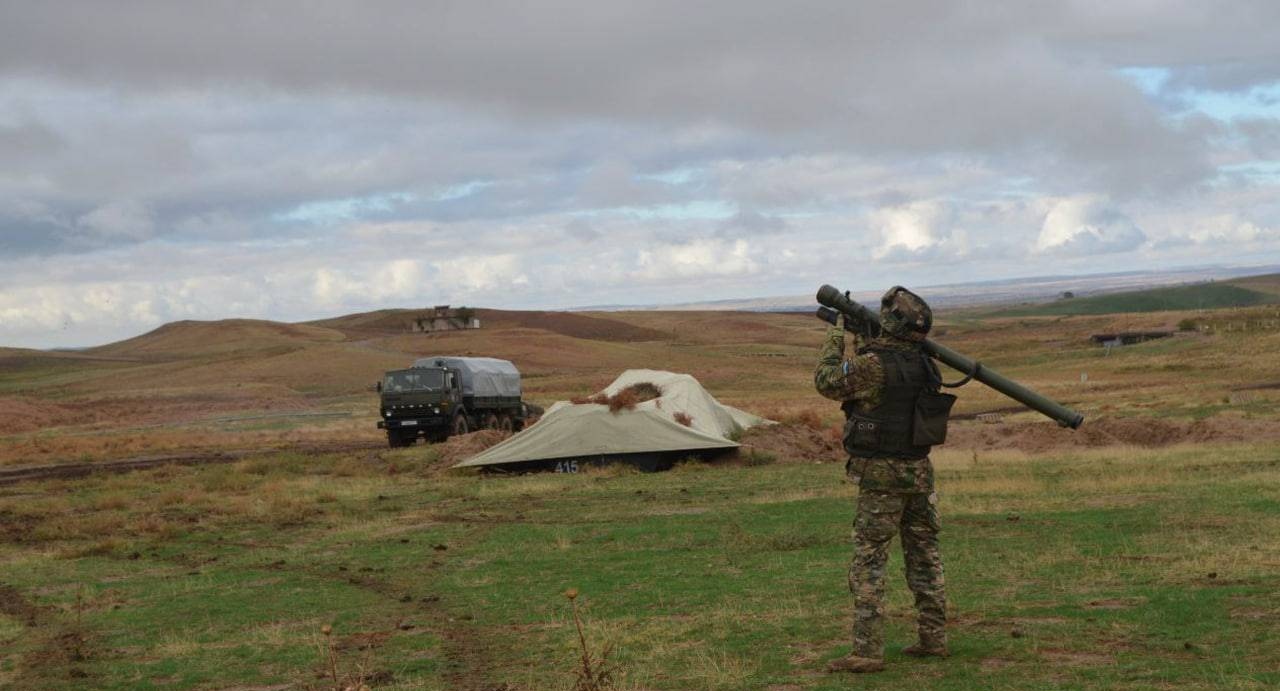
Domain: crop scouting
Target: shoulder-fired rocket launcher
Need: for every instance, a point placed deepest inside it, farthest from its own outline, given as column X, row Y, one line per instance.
column 860, row 320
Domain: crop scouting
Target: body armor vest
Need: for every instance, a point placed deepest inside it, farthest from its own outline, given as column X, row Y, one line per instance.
column 912, row 414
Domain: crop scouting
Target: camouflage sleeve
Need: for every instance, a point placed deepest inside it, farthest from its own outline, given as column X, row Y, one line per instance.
column 828, row 378
column 843, row 380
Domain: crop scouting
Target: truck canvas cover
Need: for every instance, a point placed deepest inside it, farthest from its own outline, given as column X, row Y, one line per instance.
column 481, row 376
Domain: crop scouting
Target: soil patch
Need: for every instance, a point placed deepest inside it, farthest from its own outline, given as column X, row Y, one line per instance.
column 992, row 664
column 794, row 441
column 1115, row 603
column 13, row 604
column 1074, row 658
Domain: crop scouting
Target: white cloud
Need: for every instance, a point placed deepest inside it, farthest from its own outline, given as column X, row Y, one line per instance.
column 1086, row 225
column 702, row 257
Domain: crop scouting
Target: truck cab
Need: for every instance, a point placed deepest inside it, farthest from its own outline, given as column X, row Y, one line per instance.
column 419, row 401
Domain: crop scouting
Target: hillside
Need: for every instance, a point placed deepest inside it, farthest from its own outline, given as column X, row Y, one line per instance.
column 186, row 339
column 246, row 383
column 1257, row 290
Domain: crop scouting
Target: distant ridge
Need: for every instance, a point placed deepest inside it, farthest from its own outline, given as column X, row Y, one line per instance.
column 981, row 293
column 1195, row 296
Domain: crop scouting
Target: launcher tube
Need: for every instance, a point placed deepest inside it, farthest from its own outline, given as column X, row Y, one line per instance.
column 859, row 318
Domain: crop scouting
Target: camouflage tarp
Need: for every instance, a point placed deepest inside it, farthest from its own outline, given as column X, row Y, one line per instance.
column 590, row 430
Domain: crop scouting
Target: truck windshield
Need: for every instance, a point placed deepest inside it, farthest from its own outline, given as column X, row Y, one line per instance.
column 413, row 380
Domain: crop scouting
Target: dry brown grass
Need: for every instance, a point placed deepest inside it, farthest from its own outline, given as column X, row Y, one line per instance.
column 626, row 399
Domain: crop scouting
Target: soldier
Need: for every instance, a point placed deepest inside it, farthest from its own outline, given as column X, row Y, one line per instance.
column 893, row 412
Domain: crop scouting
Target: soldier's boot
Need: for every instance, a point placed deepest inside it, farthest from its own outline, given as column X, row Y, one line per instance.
column 927, row 649
column 855, row 664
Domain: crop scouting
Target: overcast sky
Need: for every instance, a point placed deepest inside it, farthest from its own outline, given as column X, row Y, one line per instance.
column 292, row 160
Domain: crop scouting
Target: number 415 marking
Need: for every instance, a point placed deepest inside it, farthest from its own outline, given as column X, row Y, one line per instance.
column 567, row 467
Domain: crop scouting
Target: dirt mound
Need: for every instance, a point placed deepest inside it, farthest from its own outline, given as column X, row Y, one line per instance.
column 1147, row 432
column 24, row 415
column 795, row 441
column 460, row 448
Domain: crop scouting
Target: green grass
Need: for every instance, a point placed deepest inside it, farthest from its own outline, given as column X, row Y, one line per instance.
column 1191, row 297
column 1116, row 568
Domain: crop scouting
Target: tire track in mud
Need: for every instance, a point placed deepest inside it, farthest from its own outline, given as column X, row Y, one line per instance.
column 467, row 652
column 64, row 471
column 58, row 645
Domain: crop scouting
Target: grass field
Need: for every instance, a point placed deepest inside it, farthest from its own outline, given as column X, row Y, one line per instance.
column 1139, row 552
column 1113, row 568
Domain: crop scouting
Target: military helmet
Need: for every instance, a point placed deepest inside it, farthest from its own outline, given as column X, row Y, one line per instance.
column 905, row 315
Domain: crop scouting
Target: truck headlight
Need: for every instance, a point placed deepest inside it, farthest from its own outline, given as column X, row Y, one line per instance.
column 386, row 413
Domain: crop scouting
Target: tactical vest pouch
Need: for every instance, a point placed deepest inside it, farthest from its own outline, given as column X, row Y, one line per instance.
column 861, row 435
column 929, row 427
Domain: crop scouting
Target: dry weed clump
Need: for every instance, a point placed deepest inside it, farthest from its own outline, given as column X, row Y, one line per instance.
column 459, row 448
column 683, row 418
column 595, row 672
column 338, row 674
column 626, row 399
column 800, row 415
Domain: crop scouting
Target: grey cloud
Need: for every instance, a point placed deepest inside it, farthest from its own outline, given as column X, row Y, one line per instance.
column 25, row 141
column 902, row 77
column 580, row 230
column 749, row 223
column 123, row 219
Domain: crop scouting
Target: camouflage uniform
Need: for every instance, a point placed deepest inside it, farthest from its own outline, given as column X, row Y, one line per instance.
column 895, row 496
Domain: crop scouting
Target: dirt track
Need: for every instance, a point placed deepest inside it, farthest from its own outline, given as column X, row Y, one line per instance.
column 63, row 471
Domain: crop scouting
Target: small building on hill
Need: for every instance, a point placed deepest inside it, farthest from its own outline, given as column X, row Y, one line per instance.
column 445, row 318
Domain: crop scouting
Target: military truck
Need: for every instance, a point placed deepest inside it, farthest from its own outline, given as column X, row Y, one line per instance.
column 444, row 395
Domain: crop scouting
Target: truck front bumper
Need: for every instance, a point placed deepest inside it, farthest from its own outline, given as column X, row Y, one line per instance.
column 413, row 423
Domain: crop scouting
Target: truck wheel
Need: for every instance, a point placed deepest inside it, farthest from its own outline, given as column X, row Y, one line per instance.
column 505, row 424
column 491, row 421
column 395, row 440
column 460, row 425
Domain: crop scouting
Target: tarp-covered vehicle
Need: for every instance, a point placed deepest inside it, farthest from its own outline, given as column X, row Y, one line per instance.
column 679, row 420
column 445, row 395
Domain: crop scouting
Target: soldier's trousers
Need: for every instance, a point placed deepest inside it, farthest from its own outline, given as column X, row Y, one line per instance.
column 880, row 516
